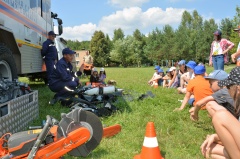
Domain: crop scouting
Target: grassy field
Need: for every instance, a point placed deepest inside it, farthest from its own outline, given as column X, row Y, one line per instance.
column 178, row 137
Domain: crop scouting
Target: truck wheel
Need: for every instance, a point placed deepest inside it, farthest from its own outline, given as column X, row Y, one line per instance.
column 8, row 69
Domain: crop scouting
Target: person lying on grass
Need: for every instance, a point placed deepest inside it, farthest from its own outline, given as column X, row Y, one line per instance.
column 220, row 99
column 225, row 143
column 198, row 87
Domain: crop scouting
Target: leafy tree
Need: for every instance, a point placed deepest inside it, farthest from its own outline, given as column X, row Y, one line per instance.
column 226, row 27
column 137, row 47
column 166, row 51
column 182, row 40
column 152, row 47
column 76, row 45
column 99, row 49
column 118, row 34
column 120, row 54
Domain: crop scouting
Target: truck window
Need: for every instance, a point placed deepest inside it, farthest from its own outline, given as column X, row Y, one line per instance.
column 46, row 12
column 39, row 11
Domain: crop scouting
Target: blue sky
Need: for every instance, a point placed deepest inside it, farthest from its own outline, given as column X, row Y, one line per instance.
column 81, row 18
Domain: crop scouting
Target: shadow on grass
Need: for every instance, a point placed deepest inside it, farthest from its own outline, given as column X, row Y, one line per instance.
column 203, row 125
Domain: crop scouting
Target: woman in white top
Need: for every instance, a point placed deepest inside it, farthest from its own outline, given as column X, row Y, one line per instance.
column 219, row 51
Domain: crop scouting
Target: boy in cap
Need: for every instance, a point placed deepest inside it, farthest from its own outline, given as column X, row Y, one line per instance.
column 49, row 53
column 236, row 56
column 63, row 80
column 220, row 99
column 197, row 88
column 156, row 68
column 225, row 142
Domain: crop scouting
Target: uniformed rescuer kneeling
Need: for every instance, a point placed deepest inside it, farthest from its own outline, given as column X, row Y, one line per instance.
column 63, row 78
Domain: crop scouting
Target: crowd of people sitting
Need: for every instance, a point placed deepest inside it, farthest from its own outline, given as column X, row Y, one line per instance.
column 218, row 93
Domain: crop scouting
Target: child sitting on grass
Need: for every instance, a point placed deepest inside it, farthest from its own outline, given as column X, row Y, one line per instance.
column 225, row 142
column 220, row 99
column 173, row 83
column 94, row 78
column 156, row 68
column 198, row 88
column 102, row 76
column 157, row 80
column 186, row 77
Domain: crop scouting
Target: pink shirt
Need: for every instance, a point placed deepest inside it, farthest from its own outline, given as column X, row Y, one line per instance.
column 224, row 44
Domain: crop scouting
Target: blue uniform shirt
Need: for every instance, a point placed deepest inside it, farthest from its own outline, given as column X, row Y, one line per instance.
column 49, row 50
column 63, row 72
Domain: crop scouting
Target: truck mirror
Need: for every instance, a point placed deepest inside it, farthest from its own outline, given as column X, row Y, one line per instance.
column 60, row 30
column 53, row 15
column 59, row 21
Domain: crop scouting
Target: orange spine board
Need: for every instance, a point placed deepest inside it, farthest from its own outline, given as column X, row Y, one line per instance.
column 111, row 130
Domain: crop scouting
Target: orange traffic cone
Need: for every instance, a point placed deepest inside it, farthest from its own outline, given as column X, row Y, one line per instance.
column 150, row 149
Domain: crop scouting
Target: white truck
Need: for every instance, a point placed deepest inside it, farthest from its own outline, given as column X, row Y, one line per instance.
column 24, row 25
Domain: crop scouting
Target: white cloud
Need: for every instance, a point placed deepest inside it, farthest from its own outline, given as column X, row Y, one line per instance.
column 133, row 18
column 128, row 19
column 80, row 33
column 127, row 3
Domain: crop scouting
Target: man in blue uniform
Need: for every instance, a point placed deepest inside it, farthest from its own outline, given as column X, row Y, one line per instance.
column 63, row 80
column 49, row 53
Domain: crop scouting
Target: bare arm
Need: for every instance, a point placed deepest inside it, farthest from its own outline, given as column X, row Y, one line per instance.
column 210, row 56
column 235, row 55
column 194, row 112
column 204, row 101
column 173, row 79
column 185, row 100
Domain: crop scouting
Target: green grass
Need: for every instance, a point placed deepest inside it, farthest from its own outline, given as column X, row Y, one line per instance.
column 178, row 137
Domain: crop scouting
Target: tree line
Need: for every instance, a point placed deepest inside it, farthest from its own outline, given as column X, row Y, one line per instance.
column 190, row 41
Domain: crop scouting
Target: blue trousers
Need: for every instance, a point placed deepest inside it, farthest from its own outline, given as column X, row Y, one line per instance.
column 218, row 62
column 59, row 87
column 49, row 66
column 190, row 101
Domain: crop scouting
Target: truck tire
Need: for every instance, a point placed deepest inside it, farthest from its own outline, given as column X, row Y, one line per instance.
column 8, row 69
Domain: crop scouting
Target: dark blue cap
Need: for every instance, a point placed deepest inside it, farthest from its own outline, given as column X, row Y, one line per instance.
column 68, row 51
column 199, row 69
column 51, row 33
column 191, row 64
column 217, row 32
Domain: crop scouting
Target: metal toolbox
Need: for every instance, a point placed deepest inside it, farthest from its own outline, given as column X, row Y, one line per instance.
column 18, row 113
